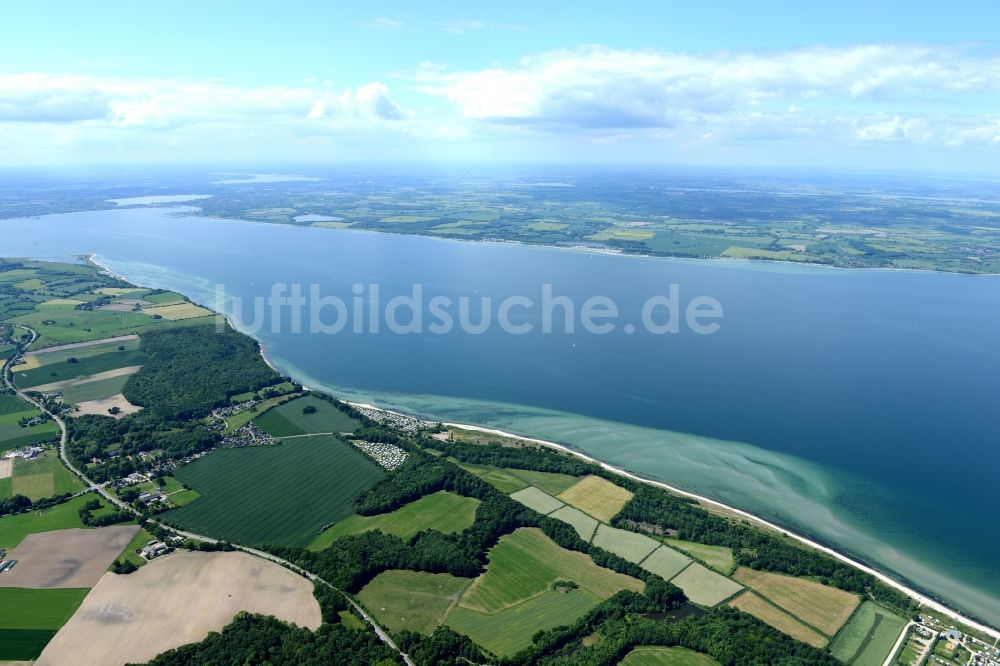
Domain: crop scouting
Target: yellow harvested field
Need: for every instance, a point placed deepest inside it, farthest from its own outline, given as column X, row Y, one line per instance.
column 175, row 600
column 178, row 311
column 6, row 467
column 29, row 362
column 596, row 496
column 821, row 606
column 70, row 383
column 101, row 407
column 750, row 602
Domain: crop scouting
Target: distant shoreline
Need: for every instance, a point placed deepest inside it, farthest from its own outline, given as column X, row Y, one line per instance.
column 885, row 578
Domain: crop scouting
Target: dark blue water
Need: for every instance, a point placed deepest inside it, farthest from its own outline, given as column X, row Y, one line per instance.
column 859, row 406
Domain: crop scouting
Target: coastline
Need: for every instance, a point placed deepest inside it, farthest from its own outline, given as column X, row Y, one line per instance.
column 920, row 597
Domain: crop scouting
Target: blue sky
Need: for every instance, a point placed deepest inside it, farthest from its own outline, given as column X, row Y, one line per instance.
column 888, row 85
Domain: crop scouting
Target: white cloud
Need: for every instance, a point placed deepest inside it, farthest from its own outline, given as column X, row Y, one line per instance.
column 596, row 89
column 171, row 103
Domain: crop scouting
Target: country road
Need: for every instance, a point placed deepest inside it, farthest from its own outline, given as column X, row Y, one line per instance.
column 99, row 488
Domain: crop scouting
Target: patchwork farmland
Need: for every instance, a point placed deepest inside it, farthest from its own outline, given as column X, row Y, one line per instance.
column 282, row 494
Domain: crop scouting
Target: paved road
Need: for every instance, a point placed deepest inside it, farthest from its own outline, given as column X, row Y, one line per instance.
column 99, row 488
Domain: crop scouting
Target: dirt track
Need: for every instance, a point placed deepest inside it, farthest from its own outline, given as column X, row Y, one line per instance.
column 66, row 558
column 176, row 600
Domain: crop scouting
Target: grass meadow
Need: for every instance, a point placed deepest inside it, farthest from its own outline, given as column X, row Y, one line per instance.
column 524, row 564
column 411, row 600
column 666, row 656
column 441, row 511
column 868, row 637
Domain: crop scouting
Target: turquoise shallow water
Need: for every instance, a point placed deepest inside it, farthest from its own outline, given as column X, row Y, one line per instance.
column 858, row 407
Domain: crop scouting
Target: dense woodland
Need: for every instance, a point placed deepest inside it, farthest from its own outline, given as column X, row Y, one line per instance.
column 193, row 369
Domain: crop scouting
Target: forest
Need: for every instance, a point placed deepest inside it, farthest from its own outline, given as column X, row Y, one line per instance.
column 193, row 369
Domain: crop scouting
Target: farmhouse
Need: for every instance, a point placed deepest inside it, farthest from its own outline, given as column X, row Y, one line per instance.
column 154, row 550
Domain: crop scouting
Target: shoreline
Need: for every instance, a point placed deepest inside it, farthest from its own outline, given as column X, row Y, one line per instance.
column 918, row 596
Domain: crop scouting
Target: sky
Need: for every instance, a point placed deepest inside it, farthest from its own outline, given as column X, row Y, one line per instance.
column 911, row 86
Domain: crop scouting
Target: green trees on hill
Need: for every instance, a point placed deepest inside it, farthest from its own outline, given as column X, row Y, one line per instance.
column 193, row 369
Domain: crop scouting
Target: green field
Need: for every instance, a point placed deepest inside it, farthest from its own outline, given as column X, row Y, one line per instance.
column 705, row 587
column 84, row 367
column 665, row 562
column 43, row 477
column 411, row 600
column 163, row 297
column 441, row 511
column 97, row 349
column 95, row 390
column 510, row 630
column 666, row 656
column 287, row 419
column 584, row 525
column 501, row 479
column 282, row 494
column 29, row 618
column 526, row 563
column 629, row 545
column 11, row 404
column 553, row 484
column 242, row 418
column 533, row 498
column 66, row 325
column 718, row 557
column 62, row 516
column 868, row 637
column 13, row 436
